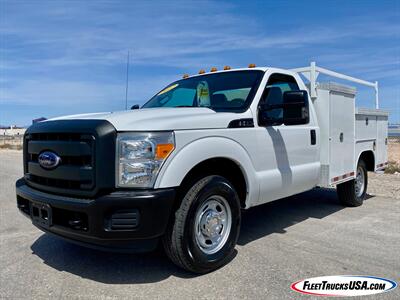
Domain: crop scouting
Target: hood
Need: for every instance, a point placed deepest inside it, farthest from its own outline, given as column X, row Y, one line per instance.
column 156, row 119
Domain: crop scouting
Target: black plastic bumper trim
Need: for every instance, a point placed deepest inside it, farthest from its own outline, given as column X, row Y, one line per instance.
column 154, row 206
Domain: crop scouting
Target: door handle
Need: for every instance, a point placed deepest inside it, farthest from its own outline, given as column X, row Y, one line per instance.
column 313, row 137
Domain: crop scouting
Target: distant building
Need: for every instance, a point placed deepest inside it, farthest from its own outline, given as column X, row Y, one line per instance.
column 12, row 131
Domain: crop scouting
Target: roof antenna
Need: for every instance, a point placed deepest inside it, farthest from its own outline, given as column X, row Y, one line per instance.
column 127, row 82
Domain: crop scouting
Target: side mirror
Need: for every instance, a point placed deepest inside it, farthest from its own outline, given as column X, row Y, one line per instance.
column 136, row 106
column 270, row 115
column 295, row 108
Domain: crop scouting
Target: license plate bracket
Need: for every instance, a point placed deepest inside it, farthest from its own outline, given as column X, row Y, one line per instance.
column 41, row 214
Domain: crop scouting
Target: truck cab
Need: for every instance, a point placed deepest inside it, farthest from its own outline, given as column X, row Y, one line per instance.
column 180, row 169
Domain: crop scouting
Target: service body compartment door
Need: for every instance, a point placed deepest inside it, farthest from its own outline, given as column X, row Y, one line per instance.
column 381, row 144
column 335, row 108
column 342, row 136
column 371, row 134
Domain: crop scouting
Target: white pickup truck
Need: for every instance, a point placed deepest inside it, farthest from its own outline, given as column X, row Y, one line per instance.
column 182, row 167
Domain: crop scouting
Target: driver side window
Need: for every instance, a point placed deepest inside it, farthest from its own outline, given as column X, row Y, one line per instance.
column 273, row 95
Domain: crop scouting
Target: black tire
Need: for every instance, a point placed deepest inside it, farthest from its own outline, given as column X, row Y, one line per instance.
column 347, row 191
column 180, row 242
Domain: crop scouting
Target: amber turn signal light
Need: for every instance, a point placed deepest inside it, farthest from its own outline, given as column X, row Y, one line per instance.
column 163, row 150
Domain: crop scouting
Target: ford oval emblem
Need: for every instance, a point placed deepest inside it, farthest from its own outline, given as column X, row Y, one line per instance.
column 49, row 160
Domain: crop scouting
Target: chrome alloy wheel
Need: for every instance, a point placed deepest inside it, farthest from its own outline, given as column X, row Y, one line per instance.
column 360, row 182
column 213, row 224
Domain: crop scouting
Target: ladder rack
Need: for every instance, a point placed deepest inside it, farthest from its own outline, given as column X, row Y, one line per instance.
column 312, row 72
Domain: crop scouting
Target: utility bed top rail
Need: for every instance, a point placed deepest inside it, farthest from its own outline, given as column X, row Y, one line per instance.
column 312, row 72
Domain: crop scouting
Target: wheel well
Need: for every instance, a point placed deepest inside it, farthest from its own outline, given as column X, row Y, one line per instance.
column 217, row 166
column 369, row 159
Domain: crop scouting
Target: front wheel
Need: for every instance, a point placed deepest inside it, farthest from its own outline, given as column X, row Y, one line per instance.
column 353, row 192
column 204, row 233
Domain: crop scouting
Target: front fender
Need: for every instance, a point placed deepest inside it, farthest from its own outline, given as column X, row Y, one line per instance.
column 183, row 160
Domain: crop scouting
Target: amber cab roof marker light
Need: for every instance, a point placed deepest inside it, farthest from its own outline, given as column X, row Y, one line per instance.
column 252, row 65
column 185, row 76
column 213, row 69
column 227, row 68
column 202, row 71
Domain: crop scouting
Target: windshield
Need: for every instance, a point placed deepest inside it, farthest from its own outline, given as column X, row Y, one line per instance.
column 227, row 91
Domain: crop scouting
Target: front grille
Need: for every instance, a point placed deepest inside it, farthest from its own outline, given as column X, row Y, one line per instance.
column 83, row 161
column 53, row 136
column 87, row 152
column 76, row 168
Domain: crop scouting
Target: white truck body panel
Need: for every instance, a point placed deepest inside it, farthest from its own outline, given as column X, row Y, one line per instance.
column 193, row 148
column 277, row 161
column 273, row 160
column 335, row 107
column 159, row 119
column 284, row 164
column 361, row 130
column 371, row 133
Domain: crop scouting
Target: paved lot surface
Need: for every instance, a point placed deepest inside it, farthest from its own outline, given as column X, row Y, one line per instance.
column 287, row 240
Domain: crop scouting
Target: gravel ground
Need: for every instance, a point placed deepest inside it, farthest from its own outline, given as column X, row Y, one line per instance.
column 394, row 150
column 386, row 185
column 303, row 236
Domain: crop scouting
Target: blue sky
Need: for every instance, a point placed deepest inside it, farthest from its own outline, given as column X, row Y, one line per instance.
column 66, row 57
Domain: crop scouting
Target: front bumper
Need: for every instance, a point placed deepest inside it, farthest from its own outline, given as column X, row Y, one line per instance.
column 97, row 223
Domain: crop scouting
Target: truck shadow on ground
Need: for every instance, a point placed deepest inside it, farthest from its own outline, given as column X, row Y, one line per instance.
column 277, row 216
column 115, row 268
column 105, row 267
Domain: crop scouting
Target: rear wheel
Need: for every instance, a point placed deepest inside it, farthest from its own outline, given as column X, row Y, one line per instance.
column 203, row 235
column 353, row 192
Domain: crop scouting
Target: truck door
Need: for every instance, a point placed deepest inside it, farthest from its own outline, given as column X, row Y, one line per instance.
column 288, row 156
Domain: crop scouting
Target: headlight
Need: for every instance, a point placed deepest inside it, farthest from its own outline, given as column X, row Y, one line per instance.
column 140, row 156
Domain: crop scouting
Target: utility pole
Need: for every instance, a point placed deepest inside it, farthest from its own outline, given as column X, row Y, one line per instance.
column 127, row 82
